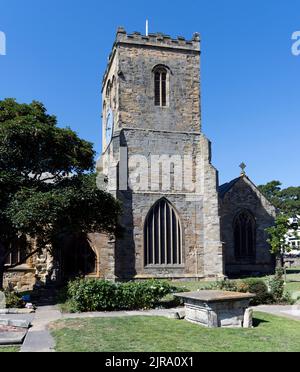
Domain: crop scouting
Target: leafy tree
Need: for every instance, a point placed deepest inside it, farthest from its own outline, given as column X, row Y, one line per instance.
column 277, row 238
column 290, row 200
column 47, row 184
column 271, row 190
column 286, row 200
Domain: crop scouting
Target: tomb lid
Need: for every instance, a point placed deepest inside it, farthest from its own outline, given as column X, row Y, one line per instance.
column 215, row 296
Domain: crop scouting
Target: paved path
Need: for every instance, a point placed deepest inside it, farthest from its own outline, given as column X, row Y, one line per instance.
column 291, row 312
column 39, row 339
column 28, row 317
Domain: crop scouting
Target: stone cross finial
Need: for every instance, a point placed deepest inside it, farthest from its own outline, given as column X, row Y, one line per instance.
column 243, row 166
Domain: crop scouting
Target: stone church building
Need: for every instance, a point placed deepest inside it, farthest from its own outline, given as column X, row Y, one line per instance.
column 178, row 222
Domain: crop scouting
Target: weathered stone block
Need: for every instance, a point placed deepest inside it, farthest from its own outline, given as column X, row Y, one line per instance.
column 215, row 309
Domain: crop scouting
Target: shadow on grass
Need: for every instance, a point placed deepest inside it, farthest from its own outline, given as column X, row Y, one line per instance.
column 293, row 271
column 257, row 322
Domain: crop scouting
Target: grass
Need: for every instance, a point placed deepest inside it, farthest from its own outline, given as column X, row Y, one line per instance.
column 9, row 349
column 155, row 334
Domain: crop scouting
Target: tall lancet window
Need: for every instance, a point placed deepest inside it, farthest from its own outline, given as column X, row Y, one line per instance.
column 163, row 236
column 161, row 86
column 244, row 235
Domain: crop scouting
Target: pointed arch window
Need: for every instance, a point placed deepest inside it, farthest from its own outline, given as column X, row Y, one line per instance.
column 244, row 235
column 108, row 88
column 161, row 86
column 163, row 236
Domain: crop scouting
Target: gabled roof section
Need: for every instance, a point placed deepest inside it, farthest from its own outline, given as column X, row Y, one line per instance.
column 223, row 189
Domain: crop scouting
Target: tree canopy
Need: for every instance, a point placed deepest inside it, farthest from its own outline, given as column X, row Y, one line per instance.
column 286, row 200
column 47, row 182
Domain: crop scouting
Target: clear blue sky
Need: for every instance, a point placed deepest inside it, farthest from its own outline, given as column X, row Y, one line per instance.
column 57, row 52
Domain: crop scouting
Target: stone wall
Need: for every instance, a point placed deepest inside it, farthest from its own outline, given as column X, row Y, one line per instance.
column 36, row 272
column 244, row 195
column 198, row 209
column 131, row 67
column 20, row 279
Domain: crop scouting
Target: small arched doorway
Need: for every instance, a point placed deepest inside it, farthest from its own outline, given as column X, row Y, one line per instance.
column 77, row 258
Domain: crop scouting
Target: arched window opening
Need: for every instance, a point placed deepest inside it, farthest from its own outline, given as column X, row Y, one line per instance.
column 244, row 236
column 161, row 86
column 163, row 236
column 113, row 97
column 108, row 88
column 18, row 248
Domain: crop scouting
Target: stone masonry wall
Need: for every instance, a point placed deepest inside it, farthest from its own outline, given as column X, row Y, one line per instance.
column 244, row 195
column 34, row 273
column 198, row 209
column 148, row 130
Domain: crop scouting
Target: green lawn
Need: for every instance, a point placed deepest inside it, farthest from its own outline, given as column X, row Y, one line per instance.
column 155, row 334
column 10, row 349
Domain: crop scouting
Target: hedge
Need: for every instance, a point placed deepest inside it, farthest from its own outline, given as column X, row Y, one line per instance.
column 100, row 295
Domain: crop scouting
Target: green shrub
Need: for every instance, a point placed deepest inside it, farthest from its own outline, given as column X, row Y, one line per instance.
column 100, row 295
column 287, row 299
column 92, row 295
column 276, row 286
column 257, row 287
column 253, row 285
column 13, row 300
column 142, row 295
column 228, row 285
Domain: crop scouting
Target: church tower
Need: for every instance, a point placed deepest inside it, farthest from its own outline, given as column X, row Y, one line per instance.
column 157, row 162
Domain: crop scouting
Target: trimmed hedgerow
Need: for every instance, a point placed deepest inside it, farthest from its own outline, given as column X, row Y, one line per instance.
column 100, row 295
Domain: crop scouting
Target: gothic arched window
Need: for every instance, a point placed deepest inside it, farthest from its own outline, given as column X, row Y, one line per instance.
column 161, row 86
column 244, row 235
column 163, row 236
column 108, row 88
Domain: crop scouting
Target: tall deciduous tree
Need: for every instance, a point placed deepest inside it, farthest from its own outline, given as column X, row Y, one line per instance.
column 286, row 200
column 47, row 185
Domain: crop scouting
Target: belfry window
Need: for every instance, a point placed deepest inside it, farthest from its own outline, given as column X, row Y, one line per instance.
column 163, row 236
column 161, row 86
column 244, row 236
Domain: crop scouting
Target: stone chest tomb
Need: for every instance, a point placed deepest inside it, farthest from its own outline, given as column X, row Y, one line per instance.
column 214, row 309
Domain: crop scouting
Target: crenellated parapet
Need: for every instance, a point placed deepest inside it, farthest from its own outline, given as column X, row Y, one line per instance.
column 158, row 39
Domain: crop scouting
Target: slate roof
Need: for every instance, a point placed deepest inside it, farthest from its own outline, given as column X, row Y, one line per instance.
column 223, row 189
